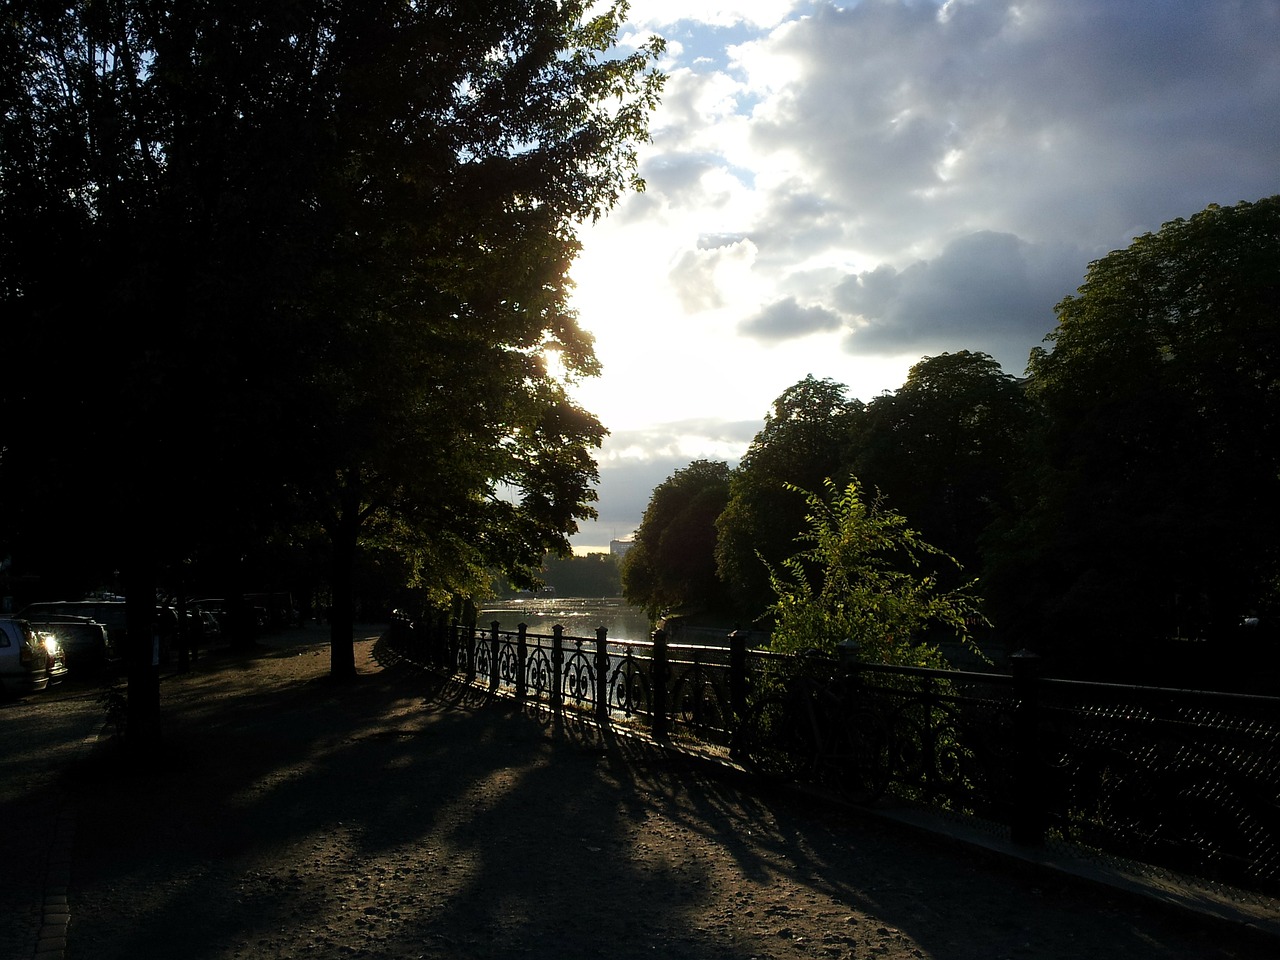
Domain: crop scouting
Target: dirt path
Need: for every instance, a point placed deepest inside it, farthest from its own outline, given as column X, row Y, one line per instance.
column 292, row 819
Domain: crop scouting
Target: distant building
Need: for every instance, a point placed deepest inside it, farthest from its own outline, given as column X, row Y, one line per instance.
column 619, row 548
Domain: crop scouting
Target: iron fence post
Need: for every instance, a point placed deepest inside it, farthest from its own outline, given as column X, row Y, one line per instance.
column 522, row 661
column 1027, row 827
column 661, row 669
column 738, row 674
column 602, row 673
column 557, row 668
column 696, row 688
column 493, row 657
column 471, row 652
column 446, row 630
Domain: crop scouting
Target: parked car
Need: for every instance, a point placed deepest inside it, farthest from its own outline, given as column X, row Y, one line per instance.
column 235, row 618
column 87, row 642
column 215, row 607
column 274, row 610
column 24, row 661
column 206, row 625
column 57, row 666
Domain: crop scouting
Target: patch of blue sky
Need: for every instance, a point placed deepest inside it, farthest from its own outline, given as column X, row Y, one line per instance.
column 674, row 171
column 705, row 49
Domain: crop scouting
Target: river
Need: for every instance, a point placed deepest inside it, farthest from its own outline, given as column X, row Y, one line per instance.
column 580, row 616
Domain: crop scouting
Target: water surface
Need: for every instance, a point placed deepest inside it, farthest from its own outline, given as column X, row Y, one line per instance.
column 580, row 616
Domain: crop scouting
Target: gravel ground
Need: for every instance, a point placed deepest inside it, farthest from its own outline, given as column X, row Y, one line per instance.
column 290, row 817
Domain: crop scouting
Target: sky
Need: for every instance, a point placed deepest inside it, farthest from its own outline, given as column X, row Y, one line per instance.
column 843, row 189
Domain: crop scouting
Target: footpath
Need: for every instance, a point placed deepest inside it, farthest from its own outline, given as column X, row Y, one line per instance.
column 401, row 817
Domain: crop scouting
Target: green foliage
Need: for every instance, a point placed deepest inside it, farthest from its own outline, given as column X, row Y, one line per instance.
column 870, row 588
column 807, row 437
column 945, row 447
column 671, row 566
column 323, row 250
column 942, row 450
column 593, row 575
column 1152, row 509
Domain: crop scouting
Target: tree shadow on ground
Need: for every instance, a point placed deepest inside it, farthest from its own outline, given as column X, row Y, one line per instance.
column 402, row 816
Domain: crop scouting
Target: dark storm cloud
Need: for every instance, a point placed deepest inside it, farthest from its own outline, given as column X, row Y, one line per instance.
column 1040, row 134
column 986, row 291
column 1074, row 120
column 787, row 319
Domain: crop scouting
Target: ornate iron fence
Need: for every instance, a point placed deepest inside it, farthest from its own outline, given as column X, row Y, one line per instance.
column 1173, row 778
column 675, row 690
column 1181, row 778
column 952, row 738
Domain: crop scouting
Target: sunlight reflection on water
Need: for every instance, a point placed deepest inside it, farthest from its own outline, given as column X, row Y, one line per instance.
column 579, row 616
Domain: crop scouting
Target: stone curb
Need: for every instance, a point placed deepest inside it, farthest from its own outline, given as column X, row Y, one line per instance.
column 55, row 911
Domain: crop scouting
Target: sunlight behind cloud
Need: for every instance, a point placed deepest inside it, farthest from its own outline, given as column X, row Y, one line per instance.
column 840, row 190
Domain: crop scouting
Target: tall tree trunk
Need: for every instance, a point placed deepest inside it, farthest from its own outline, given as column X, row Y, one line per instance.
column 342, row 652
column 142, row 723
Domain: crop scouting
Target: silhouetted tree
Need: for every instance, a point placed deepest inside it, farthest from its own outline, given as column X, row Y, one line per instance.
column 303, row 260
column 945, row 447
column 1154, row 503
column 593, row 575
column 807, row 438
column 671, row 566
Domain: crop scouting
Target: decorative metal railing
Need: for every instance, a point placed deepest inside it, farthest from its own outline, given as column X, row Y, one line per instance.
column 952, row 737
column 677, row 690
column 1181, row 778
column 1178, row 779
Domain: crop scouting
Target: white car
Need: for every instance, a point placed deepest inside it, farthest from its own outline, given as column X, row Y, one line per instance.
column 24, row 660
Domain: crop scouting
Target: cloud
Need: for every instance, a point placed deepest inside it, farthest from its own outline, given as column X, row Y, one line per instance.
column 693, row 99
column 962, row 163
column 986, row 291
column 680, row 440
column 700, row 274
column 787, row 319
column 840, row 189
column 632, row 463
column 797, row 223
column 1083, row 120
column 715, row 13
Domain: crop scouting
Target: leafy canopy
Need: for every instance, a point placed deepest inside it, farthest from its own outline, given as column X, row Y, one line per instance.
column 806, row 437
column 1157, row 493
column 943, row 448
column 324, row 247
column 671, row 565
column 870, row 587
